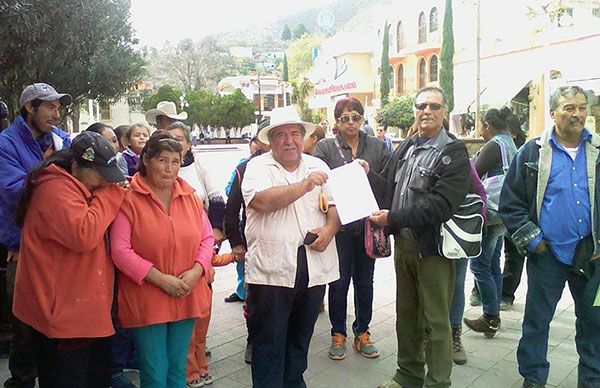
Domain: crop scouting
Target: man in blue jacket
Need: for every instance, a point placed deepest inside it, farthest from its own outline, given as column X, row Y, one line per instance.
column 549, row 204
column 31, row 138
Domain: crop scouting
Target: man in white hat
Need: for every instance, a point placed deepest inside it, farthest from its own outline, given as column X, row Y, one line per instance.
column 164, row 114
column 287, row 232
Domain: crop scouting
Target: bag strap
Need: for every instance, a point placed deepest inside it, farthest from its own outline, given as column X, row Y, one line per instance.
column 504, row 152
column 339, row 148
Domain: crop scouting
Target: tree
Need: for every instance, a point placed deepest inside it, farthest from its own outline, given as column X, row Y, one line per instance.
column 201, row 108
column 82, row 47
column 398, row 113
column 164, row 93
column 286, row 76
column 384, row 86
column 300, row 30
column 300, row 59
column 286, row 34
column 447, row 57
column 302, row 90
column 192, row 65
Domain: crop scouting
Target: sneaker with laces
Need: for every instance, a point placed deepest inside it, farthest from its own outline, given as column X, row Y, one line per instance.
column 475, row 298
column 362, row 343
column 121, row 381
column 248, row 353
column 505, row 305
column 201, row 381
column 337, row 350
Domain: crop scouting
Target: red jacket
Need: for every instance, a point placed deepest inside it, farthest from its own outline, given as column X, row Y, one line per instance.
column 65, row 278
column 171, row 242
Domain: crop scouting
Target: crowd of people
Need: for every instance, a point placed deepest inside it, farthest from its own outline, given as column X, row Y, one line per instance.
column 113, row 236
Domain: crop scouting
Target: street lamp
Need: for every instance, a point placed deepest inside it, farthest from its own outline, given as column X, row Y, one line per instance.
column 183, row 103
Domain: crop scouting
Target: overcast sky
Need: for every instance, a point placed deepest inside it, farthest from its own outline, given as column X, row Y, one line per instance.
column 158, row 21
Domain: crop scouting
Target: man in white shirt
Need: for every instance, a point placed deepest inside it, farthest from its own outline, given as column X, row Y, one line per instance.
column 286, row 197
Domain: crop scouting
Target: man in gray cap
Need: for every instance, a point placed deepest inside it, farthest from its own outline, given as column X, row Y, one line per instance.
column 31, row 138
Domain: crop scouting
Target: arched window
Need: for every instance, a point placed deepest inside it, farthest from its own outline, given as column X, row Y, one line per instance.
column 400, row 79
column 399, row 36
column 422, row 73
column 422, row 28
column 433, row 69
column 433, row 20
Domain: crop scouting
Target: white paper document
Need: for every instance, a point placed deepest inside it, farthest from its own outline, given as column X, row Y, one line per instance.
column 351, row 192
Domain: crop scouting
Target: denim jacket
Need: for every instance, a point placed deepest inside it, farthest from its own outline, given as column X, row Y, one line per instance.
column 525, row 185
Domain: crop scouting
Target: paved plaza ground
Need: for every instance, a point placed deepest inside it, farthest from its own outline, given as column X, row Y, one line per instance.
column 491, row 364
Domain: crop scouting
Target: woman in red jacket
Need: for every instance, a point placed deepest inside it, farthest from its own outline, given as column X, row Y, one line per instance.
column 162, row 242
column 64, row 282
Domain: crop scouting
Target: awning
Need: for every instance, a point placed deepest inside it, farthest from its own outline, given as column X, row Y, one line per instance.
column 498, row 92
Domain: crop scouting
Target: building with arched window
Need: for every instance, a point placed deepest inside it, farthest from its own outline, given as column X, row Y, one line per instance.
column 399, row 36
column 415, row 60
column 422, row 28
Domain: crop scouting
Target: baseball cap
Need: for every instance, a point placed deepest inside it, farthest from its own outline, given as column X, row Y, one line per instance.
column 44, row 92
column 263, row 124
column 94, row 149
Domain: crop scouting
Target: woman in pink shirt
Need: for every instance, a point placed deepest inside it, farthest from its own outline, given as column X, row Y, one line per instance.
column 162, row 242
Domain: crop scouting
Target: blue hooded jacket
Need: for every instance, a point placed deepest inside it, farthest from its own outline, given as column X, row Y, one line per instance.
column 20, row 153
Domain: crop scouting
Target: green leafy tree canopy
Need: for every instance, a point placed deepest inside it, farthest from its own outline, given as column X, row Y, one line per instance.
column 384, row 86
column 300, row 58
column 398, row 113
column 447, row 57
column 82, row 47
column 164, row 93
column 286, row 34
column 300, row 30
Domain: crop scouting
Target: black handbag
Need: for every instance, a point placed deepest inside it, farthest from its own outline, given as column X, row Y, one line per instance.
column 460, row 236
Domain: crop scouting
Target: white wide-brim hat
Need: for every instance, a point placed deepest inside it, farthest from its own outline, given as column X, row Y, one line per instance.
column 165, row 108
column 281, row 116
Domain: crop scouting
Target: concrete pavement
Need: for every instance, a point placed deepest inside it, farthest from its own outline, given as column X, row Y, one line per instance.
column 491, row 363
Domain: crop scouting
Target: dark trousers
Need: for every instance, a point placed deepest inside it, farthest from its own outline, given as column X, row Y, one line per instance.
column 122, row 350
column 513, row 269
column 424, row 287
column 21, row 361
column 281, row 324
column 71, row 363
column 546, row 278
column 355, row 265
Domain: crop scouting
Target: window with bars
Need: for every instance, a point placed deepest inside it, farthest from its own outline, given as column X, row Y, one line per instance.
column 399, row 36
column 433, row 69
column 433, row 20
column 422, row 28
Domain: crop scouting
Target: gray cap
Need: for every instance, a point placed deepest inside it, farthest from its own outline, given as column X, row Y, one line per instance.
column 44, row 92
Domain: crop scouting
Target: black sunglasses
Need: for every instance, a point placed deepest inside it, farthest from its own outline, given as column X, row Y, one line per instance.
column 432, row 106
column 355, row 117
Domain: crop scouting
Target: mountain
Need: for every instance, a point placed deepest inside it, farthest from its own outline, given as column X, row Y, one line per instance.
column 268, row 34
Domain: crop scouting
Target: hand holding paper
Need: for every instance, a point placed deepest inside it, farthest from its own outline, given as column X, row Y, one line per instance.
column 351, row 192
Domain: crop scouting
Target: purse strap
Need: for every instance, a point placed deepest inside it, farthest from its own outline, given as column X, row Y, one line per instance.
column 339, row 148
column 504, row 152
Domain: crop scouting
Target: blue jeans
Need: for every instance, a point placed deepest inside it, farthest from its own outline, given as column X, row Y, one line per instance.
column 241, row 281
column 486, row 269
column 162, row 353
column 546, row 278
column 457, row 308
column 355, row 265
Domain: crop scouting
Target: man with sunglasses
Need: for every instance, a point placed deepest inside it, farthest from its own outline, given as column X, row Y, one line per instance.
column 428, row 178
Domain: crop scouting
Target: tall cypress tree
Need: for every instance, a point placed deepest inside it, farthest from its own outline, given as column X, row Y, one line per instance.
column 447, row 57
column 384, row 85
column 285, row 68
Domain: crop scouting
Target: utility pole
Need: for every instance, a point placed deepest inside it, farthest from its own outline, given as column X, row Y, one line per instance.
column 478, row 70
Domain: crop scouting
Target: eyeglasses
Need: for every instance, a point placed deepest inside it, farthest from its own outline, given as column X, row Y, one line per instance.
column 346, row 118
column 432, row 106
